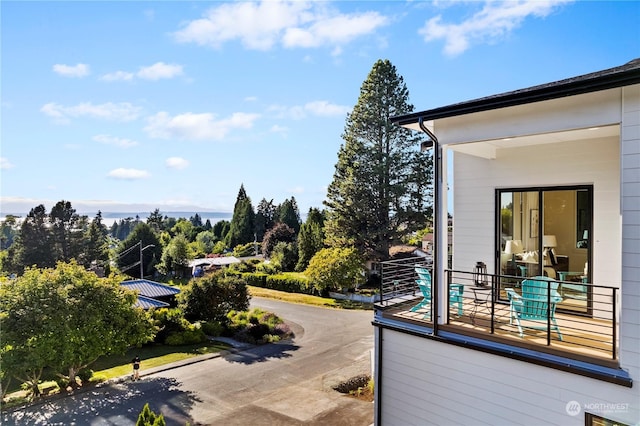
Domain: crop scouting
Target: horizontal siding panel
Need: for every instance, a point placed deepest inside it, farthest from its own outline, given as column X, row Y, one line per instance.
column 429, row 382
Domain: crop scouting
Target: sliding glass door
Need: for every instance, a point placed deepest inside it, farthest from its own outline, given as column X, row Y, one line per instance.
column 546, row 232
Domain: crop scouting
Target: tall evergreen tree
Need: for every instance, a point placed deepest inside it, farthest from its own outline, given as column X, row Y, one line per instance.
column 67, row 231
column 265, row 217
column 310, row 238
column 96, row 243
column 289, row 214
column 378, row 184
column 242, row 229
column 33, row 242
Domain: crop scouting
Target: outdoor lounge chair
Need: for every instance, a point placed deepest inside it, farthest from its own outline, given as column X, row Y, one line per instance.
column 424, row 284
column 536, row 305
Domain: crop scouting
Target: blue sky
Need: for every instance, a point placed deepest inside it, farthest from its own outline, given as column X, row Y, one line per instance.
column 132, row 106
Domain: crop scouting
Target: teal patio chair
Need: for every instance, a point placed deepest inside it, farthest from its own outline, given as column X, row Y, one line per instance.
column 424, row 284
column 533, row 305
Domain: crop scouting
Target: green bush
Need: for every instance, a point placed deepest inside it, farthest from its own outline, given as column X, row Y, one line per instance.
column 289, row 283
column 187, row 337
column 212, row 328
column 256, row 279
column 85, row 375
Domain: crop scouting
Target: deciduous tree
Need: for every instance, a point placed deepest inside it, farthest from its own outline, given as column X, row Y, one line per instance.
column 213, row 296
column 335, row 268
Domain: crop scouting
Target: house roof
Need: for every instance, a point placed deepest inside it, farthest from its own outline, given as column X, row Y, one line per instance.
column 214, row 261
column 150, row 288
column 620, row 76
column 148, row 303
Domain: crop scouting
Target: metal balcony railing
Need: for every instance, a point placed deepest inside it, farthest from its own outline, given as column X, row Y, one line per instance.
column 577, row 320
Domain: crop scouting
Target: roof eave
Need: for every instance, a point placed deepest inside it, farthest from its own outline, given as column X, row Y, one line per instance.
column 520, row 97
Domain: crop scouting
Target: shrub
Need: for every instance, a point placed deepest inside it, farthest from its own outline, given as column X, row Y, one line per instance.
column 210, row 298
column 168, row 321
column 212, row 328
column 187, row 337
column 289, row 283
column 85, row 375
column 149, row 418
column 256, row 279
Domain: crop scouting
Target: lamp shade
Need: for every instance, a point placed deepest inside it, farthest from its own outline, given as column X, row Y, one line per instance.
column 508, row 247
column 549, row 241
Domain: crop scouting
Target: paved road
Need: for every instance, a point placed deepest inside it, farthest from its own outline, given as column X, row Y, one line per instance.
column 280, row 384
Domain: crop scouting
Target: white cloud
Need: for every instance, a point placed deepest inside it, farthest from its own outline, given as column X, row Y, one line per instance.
column 203, row 126
column 316, row 108
column 123, row 111
column 496, row 19
column 279, row 129
column 334, row 30
column 177, row 163
column 118, row 76
column 5, row 164
column 128, row 174
column 296, row 190
column 112, row 140
column 159, row 70
column 261, row 25
column 78, row 70
column 326, row 109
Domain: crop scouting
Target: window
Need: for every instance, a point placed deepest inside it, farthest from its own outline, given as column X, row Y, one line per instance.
column 545, row 231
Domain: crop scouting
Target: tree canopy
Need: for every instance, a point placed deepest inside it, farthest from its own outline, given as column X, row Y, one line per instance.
column 64, row 318
column 379, row 185
column 242, row 229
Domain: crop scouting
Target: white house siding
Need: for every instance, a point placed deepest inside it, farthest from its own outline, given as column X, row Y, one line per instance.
column 592, row 161
column 630, row 164
column 426, row 382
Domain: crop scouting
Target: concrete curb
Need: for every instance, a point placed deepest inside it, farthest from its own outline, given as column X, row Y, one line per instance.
column 235, row 348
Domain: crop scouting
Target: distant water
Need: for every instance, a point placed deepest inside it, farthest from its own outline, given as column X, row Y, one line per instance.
column 109, row 218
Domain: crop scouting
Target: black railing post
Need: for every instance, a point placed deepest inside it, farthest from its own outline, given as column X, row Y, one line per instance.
column 548, row 313
column 493, row 297
column 615, row 323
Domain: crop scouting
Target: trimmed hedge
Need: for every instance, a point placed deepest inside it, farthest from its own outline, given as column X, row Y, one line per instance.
column 281, row 282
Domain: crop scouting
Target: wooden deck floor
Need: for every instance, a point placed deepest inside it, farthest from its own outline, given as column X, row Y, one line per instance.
column 583, row 338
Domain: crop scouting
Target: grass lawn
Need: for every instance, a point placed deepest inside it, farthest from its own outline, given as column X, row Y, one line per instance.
column 151, row 356
column 307, row 299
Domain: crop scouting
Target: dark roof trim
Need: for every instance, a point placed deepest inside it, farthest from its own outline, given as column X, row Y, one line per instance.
column 621, row 76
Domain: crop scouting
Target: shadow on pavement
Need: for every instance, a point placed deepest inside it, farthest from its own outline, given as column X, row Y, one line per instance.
column 261, row 353
column 113, row 403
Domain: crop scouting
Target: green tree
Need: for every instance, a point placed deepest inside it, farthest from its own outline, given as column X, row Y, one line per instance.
column 65, row 318
column 207, row 239
column 310, row 238
column 96, row 244
column 8, row 230
column 285, row 256
column 149, row 418
column 33, row 242
column 335, row 268
column 265, row 217
column 67, row 231
column 242, row 229
column 377, row 192
column 279, row 233
column 221, row 229
column 128, row 252
column 211, row 297
column 156, row 221
column 175, row 257
column 289, row 214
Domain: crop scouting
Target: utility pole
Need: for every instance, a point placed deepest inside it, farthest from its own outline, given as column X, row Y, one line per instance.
column 141, row 263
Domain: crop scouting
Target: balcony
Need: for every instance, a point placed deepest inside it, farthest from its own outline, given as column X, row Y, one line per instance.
column 479, row 311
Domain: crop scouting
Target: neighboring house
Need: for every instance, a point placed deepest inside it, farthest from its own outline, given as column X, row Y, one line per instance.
column 197, row 267
column 152, row 294
column 545, row 182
